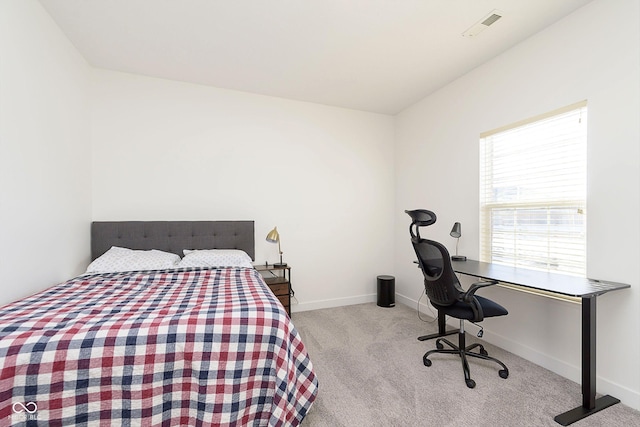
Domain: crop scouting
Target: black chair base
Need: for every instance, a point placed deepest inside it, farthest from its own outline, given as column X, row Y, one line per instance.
column 464, row 352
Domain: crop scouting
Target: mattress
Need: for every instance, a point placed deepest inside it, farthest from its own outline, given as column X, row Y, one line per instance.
column 185, row 347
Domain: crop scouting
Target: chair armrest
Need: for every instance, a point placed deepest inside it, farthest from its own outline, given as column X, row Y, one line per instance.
column 475, row 286
column 469, row 298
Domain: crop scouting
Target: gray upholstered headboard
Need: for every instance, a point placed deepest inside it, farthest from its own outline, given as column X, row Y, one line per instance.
column 172, row 236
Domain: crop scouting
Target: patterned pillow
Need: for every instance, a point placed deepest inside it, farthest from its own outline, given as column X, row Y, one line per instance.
column 122, row 259
column 215, row 258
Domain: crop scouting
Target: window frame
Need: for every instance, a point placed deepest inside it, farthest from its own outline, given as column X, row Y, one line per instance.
column 576, row 255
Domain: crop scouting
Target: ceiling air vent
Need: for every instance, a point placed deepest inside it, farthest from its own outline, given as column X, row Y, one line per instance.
column 483, row 24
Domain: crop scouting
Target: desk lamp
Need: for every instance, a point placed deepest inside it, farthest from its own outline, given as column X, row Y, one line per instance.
column 274, row 237
column 456, row 232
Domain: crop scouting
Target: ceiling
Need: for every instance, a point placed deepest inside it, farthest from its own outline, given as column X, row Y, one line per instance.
column 373, row 55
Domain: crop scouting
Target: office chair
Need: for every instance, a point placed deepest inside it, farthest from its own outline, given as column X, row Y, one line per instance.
column 446, row 294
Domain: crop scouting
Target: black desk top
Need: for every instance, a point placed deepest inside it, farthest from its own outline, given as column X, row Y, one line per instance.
column 551, row 282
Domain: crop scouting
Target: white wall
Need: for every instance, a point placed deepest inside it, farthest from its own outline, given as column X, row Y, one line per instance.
column 166, row 150
column 45, row 177
column 593, row 54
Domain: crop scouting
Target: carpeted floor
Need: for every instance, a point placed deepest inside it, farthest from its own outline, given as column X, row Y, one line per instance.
column 369, row 366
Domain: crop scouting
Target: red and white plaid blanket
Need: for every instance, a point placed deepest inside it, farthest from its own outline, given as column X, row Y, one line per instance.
column 188, row 347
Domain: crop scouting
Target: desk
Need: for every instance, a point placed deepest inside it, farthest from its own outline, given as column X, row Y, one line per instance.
column 577, row 288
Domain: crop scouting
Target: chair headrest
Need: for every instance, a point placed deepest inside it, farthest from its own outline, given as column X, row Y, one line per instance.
column 421, row 217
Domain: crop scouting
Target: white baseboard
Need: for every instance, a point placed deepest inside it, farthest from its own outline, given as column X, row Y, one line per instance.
column 330, row 303
column 572, row 372
column 425, row 307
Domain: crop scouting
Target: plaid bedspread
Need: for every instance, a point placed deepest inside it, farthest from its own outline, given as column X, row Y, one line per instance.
column 189, row 347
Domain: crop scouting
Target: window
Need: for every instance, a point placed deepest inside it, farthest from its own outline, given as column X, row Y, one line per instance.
column 533, row 177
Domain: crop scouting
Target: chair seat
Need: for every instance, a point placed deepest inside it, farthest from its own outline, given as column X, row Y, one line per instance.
column 461, row 310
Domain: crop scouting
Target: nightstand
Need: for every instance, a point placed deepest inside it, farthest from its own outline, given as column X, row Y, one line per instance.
column 279, row 281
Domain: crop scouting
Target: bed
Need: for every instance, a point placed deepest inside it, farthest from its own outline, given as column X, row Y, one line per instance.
column 188, row 345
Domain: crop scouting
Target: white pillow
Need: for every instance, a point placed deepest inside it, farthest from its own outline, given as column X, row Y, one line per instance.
column 122, row 259
column 215, row 258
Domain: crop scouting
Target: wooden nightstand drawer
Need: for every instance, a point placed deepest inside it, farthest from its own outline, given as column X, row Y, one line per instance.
column 275, row 280
column 280, row 289
column 285, row 301
column 278, row 278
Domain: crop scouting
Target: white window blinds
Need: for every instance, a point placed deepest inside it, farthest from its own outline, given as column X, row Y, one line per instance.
column 533, row 178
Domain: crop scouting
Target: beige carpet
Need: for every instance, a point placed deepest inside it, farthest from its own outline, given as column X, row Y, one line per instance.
column 369, row 366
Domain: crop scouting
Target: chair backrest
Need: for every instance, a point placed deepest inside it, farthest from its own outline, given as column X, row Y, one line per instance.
column 440, row 281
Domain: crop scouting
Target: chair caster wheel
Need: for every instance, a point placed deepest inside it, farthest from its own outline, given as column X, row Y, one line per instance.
column 439, row 345
column 483, row 352
column 470, row 383
column 503, row 373
column 426, row 361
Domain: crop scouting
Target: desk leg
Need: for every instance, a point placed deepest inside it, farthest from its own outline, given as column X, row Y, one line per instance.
column 590, row 405
column 442, row 329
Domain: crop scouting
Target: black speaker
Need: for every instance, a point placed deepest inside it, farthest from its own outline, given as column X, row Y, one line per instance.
column 386, row 291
